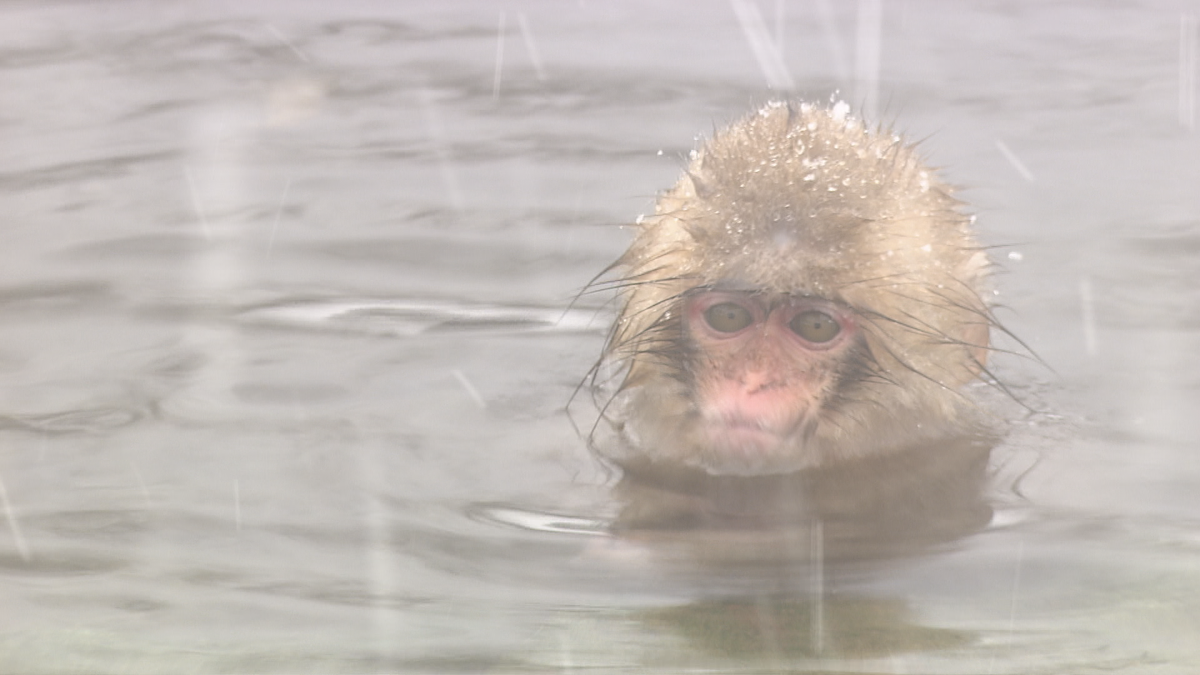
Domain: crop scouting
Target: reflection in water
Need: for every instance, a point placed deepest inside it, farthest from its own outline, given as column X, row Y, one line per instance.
column 791, row 537
column 770, row 628
column 881, row 507
column 767, row 562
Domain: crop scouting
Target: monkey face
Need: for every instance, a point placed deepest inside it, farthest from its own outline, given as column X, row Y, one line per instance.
column 808, row 294
column 761, row 369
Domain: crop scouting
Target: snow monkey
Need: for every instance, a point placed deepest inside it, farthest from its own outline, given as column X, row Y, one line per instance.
column 808, row 294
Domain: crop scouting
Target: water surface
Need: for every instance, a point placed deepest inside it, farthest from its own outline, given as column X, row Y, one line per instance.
column 286, row 336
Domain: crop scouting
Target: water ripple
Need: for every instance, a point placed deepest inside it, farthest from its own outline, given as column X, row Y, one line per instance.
column 91, row 420
column 538, row 521
column 416, row 317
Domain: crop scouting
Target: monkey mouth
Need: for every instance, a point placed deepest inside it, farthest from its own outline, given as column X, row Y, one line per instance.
column 744, row 435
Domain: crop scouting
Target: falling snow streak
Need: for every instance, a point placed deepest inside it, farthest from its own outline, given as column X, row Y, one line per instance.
column 867, row 56
column 499, row 64
column 767, row 51
column 13, row 525
column 1015, row 161
column 535, row 56
column 1088, row 312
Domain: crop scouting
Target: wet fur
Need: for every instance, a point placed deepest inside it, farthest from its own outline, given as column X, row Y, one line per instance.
column 804, row 201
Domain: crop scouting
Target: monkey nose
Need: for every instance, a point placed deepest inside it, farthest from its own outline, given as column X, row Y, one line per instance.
column 760, row 380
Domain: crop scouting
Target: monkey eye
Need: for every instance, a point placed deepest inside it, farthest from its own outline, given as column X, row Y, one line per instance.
column 814, row 326
column 728, row 317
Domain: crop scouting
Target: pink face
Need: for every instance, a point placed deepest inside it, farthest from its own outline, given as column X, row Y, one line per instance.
column 763, row 367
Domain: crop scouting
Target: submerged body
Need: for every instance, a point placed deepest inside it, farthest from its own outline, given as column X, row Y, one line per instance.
column 808, row 294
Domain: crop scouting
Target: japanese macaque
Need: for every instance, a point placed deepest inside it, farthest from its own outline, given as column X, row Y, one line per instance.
column 807, row 295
